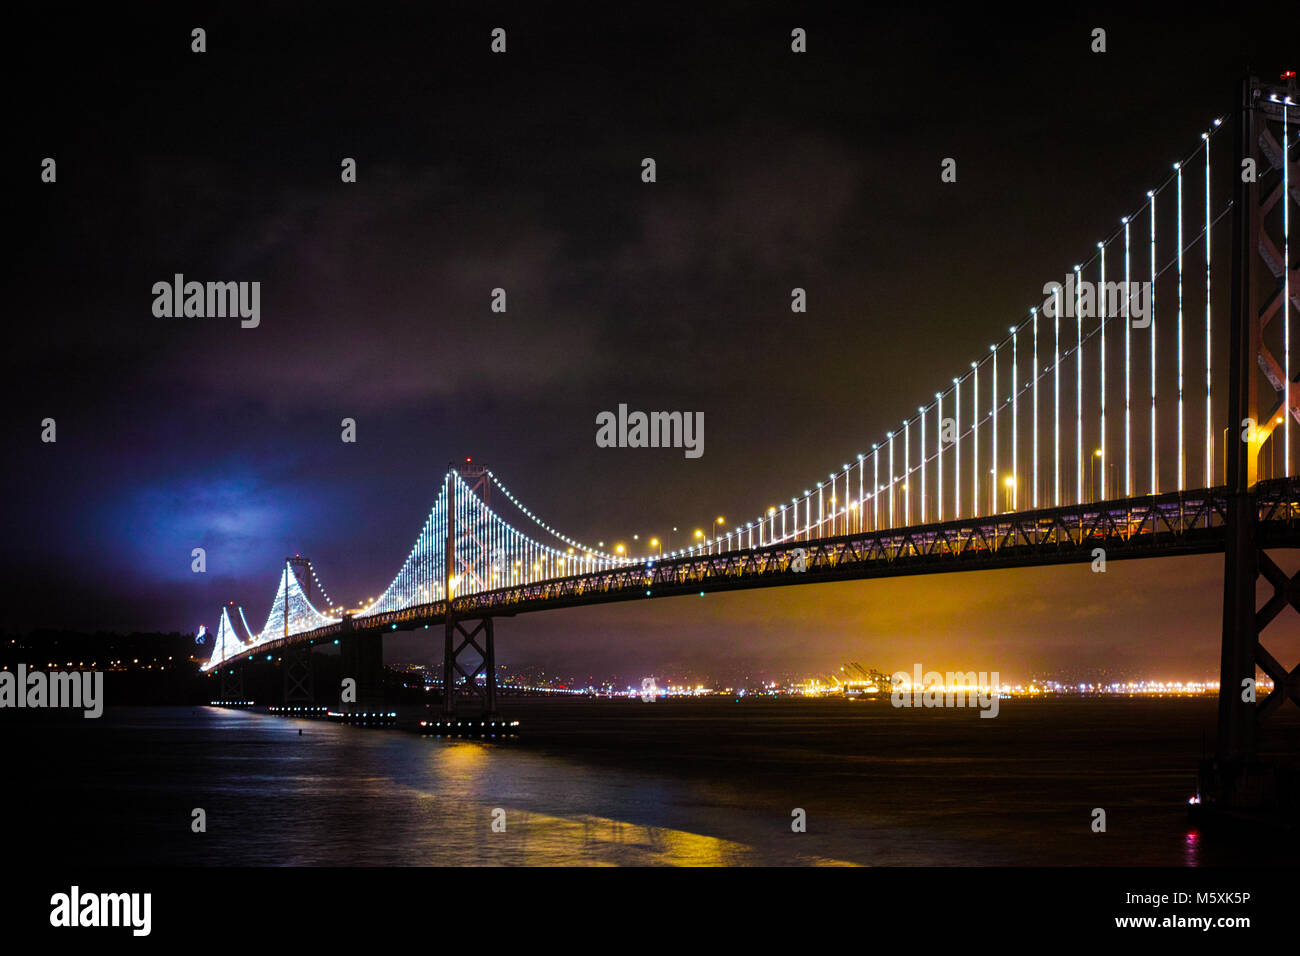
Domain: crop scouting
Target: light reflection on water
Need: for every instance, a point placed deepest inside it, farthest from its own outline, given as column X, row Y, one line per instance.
column 405, row 799
column 664, row 787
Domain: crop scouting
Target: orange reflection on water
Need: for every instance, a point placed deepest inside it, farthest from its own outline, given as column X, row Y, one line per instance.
column 544, row 840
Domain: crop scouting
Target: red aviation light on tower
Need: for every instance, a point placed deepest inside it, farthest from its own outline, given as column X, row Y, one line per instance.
column 1288, row 75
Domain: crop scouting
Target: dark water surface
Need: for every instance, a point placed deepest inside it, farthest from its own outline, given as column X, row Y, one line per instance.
column 625, row 783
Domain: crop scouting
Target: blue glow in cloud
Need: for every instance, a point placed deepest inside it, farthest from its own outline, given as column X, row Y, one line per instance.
column 242, row 523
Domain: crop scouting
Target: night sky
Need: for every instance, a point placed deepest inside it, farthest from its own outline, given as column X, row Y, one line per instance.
column 522, row 171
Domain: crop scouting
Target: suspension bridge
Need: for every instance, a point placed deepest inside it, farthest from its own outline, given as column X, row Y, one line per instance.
column 1143, row 406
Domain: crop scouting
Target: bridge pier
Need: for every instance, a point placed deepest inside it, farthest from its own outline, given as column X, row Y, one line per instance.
column 299, row 686
column 363, row 661
column 232, row 681
column 458, row 637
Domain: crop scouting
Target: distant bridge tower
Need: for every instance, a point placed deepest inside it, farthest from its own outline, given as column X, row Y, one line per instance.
column 1263, row 389
column 299, row 686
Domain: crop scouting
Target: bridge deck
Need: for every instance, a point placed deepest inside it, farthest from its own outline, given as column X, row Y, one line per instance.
column 1177, row 523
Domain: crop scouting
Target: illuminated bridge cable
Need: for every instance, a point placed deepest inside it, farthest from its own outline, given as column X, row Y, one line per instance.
column 938, row 397
column 875, row 484
column 1155, row 466
column 1015, row 421
column 1209, row 429
column 993, row 404
column 975, row 441
column 544, row 526
column 1078, row 383
column 907, row 475
column 320, row 587
column 956, row 449
column 1101, row 310
column 1034, row 313
column 1056, row 393
column 1182, row 475
column 1286, row 285
column 1128, row 366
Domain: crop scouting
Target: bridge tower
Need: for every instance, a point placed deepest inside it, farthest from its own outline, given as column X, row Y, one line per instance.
column 1261, row 206
column 301, row 569
column 299, row 688
column 459, row 635
column 477, row 477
